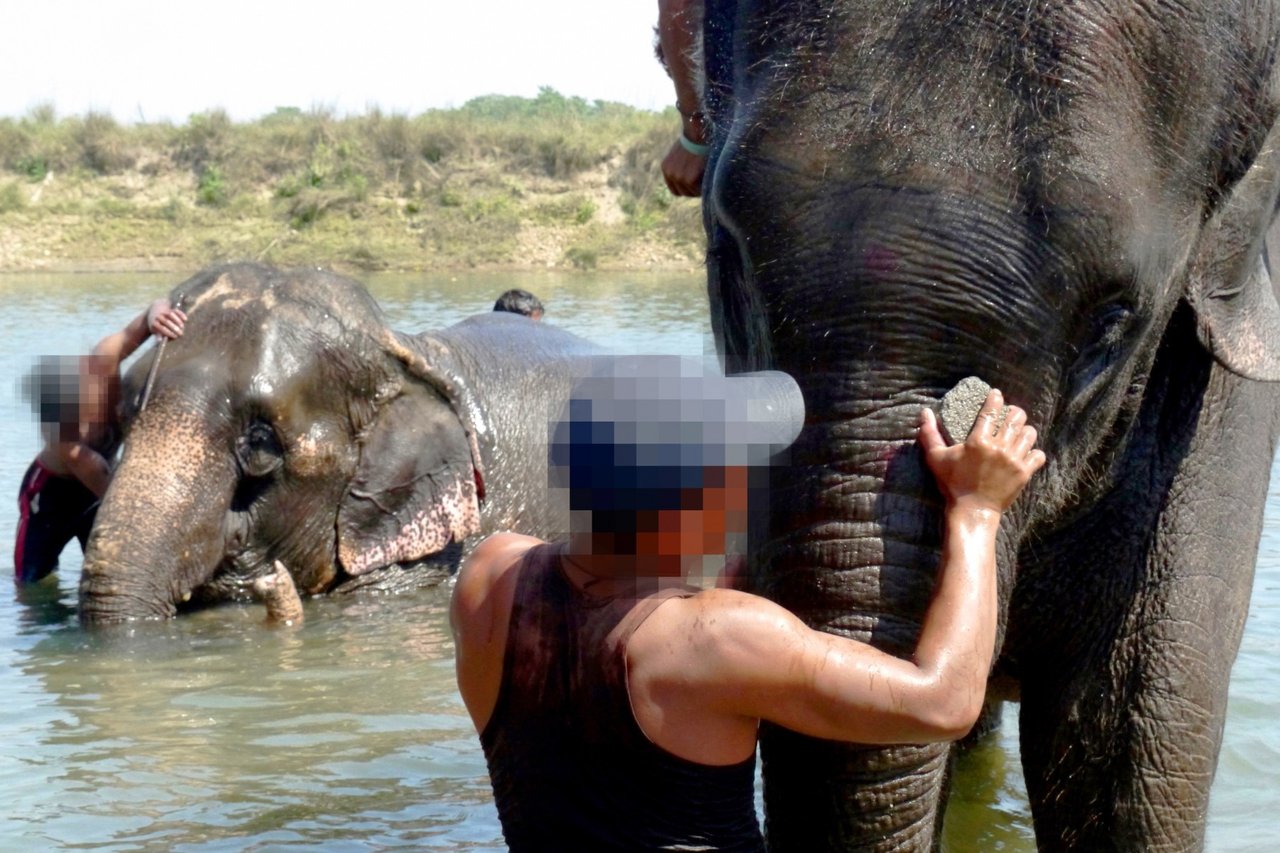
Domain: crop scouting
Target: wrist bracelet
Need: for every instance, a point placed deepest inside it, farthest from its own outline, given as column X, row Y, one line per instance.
column 695, row 148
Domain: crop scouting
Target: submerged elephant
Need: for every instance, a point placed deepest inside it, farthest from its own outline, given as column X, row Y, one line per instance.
column 1071, row 201
column 290, row 424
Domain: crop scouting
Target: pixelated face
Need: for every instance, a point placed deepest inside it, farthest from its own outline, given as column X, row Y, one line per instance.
column 678, row 538
column 69, row 393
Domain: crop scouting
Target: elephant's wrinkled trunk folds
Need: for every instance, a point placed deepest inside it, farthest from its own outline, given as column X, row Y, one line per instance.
column 853, row 549
column 158, row 533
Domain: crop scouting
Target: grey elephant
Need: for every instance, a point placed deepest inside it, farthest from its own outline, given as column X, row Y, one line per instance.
column 1075, row 202
column 289, row 424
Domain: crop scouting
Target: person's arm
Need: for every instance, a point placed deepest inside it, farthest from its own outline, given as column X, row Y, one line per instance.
column 160, row 318
column 83, row 461
column 776, row 668
column 87, row 465
column 479, row 615
column 679, row 25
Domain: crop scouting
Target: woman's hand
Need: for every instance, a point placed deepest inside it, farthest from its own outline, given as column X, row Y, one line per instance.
column 989, row 470
column 165, row 320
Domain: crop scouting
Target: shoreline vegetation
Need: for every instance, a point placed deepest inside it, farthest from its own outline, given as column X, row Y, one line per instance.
column 502, row 182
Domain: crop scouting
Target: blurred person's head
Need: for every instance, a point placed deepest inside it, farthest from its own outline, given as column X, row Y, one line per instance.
column 657, row 456
column 518, row 301
column 52, row 387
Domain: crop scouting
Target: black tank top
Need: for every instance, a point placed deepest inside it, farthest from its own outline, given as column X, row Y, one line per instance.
column 571, row 768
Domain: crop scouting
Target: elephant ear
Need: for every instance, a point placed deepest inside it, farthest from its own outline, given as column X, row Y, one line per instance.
column 1231, row 284
column 418, row 484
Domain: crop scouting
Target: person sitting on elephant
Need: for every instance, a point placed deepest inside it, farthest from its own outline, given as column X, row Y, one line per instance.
column 77, row 402
column 677, row 46
column 618, row 707
column 517, row 301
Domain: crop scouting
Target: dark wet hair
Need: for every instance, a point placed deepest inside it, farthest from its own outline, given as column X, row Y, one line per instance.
column 516, row 301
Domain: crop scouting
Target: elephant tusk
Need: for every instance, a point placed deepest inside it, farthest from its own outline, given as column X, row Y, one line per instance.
column 277, row 591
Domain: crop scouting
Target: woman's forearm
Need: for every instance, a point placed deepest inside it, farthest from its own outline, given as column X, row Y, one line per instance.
column 679, row 24
column 957, row 639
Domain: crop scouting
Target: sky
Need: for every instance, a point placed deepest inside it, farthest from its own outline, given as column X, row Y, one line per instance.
column 143, row 60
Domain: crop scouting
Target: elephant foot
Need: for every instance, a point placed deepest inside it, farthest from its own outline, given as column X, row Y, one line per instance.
column 284, row 606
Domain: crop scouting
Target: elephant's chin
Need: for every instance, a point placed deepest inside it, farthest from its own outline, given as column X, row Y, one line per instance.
column 231, row 582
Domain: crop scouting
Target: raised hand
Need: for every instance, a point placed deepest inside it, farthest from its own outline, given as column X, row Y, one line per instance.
column 995, row 462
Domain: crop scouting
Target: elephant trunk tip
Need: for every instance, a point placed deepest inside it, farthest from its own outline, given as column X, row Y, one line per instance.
column 279, row 593
column 107, row 597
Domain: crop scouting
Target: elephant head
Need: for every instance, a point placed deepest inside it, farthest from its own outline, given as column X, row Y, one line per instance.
column 288, row 423
column 1045, row 196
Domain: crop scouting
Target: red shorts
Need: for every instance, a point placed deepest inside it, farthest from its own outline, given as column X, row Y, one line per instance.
column 52, row 510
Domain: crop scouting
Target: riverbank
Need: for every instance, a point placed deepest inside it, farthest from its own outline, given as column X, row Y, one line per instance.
column 499, row 183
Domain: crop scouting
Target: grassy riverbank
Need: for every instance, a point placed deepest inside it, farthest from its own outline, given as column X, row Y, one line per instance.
column 501, row 182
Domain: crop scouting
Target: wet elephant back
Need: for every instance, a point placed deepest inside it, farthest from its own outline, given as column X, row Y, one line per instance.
column 518, row 373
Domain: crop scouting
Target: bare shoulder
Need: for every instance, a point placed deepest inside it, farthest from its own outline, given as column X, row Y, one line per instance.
column 488, row 568
column 732, row 610
column 498, row 552
column 480, row 615
column 725, row 630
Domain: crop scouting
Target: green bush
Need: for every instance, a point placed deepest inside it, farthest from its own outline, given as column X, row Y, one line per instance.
column 103, row 144
column 34, row 167
column 206, row 140
column 12, row 197
column 211, row 189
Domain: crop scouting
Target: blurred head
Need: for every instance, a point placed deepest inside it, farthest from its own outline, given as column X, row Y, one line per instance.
column 53, row 390
column 518, row 301
column 656, row 456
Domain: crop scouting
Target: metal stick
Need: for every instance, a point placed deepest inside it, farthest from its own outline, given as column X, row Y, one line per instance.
column 155, row 367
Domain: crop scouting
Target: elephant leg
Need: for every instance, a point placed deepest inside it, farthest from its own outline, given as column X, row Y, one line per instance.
column 1119, row 749
column 1124, row 692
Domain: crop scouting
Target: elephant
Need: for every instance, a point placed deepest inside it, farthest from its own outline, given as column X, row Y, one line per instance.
column 290, row 425
column 1075, row 202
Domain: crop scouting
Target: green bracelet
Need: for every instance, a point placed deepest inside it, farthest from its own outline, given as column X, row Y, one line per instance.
column 697, row 149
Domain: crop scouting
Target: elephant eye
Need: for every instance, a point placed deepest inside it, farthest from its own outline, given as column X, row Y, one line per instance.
column 258, row 450
column 1110, row 332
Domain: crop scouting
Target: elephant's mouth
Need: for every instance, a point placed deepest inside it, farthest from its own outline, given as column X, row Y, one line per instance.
column 231, row 581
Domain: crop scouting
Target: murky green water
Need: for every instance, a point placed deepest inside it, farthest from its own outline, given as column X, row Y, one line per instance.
column 212, row 733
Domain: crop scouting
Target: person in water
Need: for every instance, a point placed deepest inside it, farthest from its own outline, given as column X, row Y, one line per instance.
column 617, row 706
column 516, row 301
column 77, row 401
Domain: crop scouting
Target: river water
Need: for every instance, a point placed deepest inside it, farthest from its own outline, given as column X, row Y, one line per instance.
column 213, row 733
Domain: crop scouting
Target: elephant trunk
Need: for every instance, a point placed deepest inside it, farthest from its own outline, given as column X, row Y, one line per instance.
column 853, row 548
column 159, row 531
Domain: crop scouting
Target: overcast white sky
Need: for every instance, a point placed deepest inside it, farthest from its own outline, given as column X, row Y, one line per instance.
column 165, row 60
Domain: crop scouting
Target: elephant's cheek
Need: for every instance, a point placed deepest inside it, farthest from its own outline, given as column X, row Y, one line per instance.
column 319, row 469
column 317, row 457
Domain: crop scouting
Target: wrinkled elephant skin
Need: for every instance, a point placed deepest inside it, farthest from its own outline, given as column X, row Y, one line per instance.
column 1075, row 202
column 288, row 424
